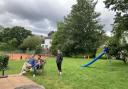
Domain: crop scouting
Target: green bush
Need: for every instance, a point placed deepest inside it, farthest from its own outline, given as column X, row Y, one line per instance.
column 4, row 47
column 38, row 49
column 118, row 51
column 3, row 61
column 31, row 42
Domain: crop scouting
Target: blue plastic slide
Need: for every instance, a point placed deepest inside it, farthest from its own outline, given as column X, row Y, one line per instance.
column 95, row 59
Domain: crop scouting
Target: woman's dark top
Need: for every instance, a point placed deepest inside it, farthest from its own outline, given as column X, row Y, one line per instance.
column 59, row 58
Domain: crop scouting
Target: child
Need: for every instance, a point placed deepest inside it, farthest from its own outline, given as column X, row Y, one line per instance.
column 40, row 62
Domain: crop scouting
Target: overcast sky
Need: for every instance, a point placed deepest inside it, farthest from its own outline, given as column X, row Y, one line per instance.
column 40, row 16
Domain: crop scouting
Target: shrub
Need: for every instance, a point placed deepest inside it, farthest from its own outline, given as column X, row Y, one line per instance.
column 38, row 49
column 118, row 51
column 4, row 61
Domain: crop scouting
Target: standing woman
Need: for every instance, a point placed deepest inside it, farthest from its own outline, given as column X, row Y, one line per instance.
column 59, row 59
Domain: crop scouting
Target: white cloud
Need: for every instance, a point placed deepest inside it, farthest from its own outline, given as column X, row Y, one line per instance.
column 41, row 16
column 38, row 15
column 106, row 16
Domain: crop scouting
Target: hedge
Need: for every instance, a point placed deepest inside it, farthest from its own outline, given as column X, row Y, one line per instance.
column 4, row 61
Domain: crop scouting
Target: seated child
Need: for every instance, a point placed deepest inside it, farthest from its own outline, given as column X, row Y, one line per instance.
column 40, row 62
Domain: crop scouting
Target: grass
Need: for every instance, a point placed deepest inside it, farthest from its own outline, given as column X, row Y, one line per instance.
column 101, row 75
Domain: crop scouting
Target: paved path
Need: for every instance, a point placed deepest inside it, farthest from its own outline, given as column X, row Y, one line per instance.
column 14, row 81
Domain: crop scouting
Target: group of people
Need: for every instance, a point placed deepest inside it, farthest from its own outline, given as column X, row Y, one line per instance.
column 34, row 64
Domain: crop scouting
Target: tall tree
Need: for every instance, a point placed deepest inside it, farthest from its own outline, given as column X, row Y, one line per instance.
column 1, row 29
column 117, row 5
column 31, row 42
column 120, row 25
column 119, row 44
column 80, row 32
column 121, row 18
column 60, row 38
column 50, row 33
column 17, row 32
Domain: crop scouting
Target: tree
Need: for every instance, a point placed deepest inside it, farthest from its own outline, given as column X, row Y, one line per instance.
column 31, row 42
column 4, row 47
column 38, row 49
column 121, row 18
column 13, row 43
column 1, row 29
column 9, row 46
column 117, row 5
column 80, row 31
column 50, row 33
column 17, row 32
column 59, row 39
column 119, row 44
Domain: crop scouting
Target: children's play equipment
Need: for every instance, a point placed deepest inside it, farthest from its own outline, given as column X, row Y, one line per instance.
column 96, row 58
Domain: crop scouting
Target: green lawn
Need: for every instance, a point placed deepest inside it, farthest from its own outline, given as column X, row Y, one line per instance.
column 101, row 75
